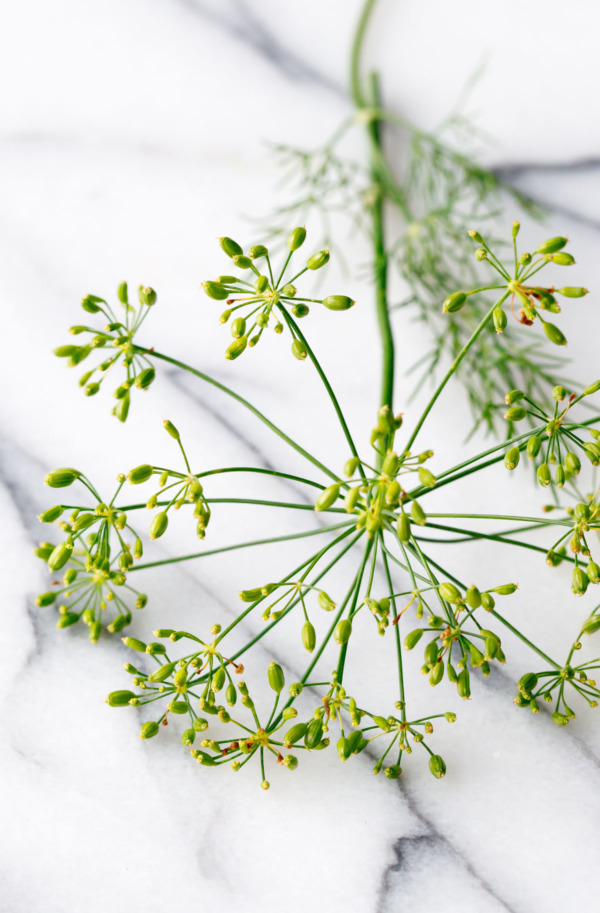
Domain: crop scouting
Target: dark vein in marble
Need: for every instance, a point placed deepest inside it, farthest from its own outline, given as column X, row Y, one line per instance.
column 240, row 22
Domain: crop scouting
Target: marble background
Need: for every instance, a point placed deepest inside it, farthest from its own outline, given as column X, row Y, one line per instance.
column 131, row 135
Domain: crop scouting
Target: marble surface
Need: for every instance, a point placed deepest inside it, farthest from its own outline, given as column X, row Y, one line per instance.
column 131, row 135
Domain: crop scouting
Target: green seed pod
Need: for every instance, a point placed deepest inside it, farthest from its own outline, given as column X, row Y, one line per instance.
column 230, row 247
column 162, row 673
column 215, row 291
column 488, row 602
column 513, row 396
column 533, row 447
column 45, row 599
column 580, row 581
column 343, row 749
column 178, row 707
column 187, row 737
column 437, row 673
column 261, row 284
column 276, row 678
column 403, row 527
column 51, row 514
column 391, row 463
column 159, row 525
column 351, row 466
column 418, row 514
column 450, row 593
column 251, row 595
column 91, row 303
column 145, row 378
column 297, row 238
column 217, row 680
column 242, row 262
column 61, row 478
column 570, row 291
column 437, row 766
column 572, row 463
column 473, row 597
column 299, row 349
column 454, row 303
column 134, row 644
column 463, row 684
column 121, row 410
column 593, row 572
column 294, row 734
column 325, row 602
column 560, row 476
column 147, row 295
column 500, row 319
column 140, row 474
column 431, row 653
column 543, row 474
column 231, row 694
column 66, row 351
column 314, row 733
column 386, row 421
column 426, row 477
column 559, row 392
column 338, row 302
column 119, row 698
column 515, row 414
column 591, row 625
column 512, row 457
column 592, row 451
column 257, row 251
column 506, row 589
column 309, row 636
column 393, row 492
column 328, row 497
column 67, row 619
column 554, row 334
column 290, row 762
column 60, row 555
column 149, row 730
column 238, row 327
column 300, row 310
column 318, row 260
column 552, row 245
column 236, row 348
column 351, row 498
column 559, row 718
column 342, row 631
column 561, row 259
column 411, row 640
column 122, row 292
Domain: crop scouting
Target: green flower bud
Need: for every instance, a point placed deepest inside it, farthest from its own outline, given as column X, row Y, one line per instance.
column 230, row 247
column 149, row 730
column 515, row 414
column 325, row 602
column 290, row 762
column 258, row 251
column 403, row 527
column 134, row 644
column 61, row 478
column 145, row 378
column 300, row 310
column 91, row 303
column 570, row 291
column 393, row 492
column 580, row 581
column 528, row 683
column 159, row 525
column 289, row 290
column 309, row 636
column 593, row 572
column 561, row 259
column 242, row 262
column 463, row 684
column 140, row 474
column 276, row 678
column 236, row 348
column 51, row 514
column 318, row 260
column 437, row 766
column 162, row 673
column 60, row 555
column 487, row 601
column 552, row 245
column 411, row 640
column 328, row 497
column 172, row 430
column 261, row 284
column 215, row 291
column 351, row 498
column 426, row 477
column 431, row 653
column 473, row 597
column 299, row 349
column 506, row 589
column 554, row 334
column 450, row 593
column 147, row 296
column 238, row 327
column 296, row 689
column 342, row 631
column 513, row 396
column 543, row 474
column 500, row 319
column 591, row 625
column 178, row 707
column 122, row 292
column 294, row 734
column 314, row 733
column 119, row 698
column 418, row 514
column 533, row 447
column 297, row 238
column 454, row 303
column 592, row 451
column 572, row 463
column 67, row 619
column 437, row 673
column 217, row 680
column 560, row 475
column 338, row 302
column 45, row 599
column 121, row 410
column 351, row 466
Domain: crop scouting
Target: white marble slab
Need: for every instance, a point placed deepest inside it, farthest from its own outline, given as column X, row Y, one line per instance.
column 131, row 136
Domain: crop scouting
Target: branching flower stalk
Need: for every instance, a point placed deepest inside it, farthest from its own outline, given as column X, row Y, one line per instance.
column 373, row 525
